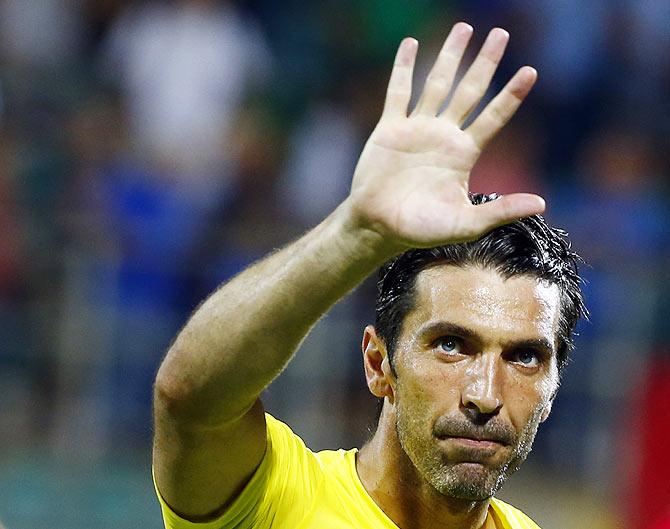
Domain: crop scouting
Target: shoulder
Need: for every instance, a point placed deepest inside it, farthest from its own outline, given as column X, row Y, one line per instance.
column 511, row 517
column 338, row 464
column 281, row 491
column 286, row 448
column 283, row 441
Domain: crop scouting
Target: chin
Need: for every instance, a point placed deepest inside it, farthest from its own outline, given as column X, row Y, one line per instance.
column 470, row 481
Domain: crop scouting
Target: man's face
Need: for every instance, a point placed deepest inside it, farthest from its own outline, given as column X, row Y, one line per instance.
column 476, row 374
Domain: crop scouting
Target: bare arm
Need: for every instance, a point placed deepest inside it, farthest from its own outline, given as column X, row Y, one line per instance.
column 409, row 189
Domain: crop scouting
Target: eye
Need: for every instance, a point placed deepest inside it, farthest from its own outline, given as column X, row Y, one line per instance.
column 449, row 344
column 526, row 358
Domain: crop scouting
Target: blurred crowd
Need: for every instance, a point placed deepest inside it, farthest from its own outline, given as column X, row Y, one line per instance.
column 150, row 150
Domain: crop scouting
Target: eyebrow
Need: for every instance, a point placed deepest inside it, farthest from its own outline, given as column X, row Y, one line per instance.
column 441, row 328
column 445, row 327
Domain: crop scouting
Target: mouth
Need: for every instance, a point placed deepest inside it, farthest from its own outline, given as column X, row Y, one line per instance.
column 477, row 443
column 471, row 449
column 483, row 439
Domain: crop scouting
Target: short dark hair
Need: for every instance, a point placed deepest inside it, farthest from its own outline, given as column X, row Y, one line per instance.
column 527, row 246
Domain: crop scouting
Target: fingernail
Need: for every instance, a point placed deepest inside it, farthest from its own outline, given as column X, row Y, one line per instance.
column 463, row 27
column 531, row 71
column 410, row 42
column 500, row 34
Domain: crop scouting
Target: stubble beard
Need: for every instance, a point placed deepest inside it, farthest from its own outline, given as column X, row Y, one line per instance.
column 465, row 481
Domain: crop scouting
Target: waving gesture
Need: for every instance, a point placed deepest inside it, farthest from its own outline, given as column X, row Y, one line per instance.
column 410, row 189
column 411, row 181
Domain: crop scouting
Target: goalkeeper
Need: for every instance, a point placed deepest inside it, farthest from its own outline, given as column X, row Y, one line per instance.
column 477, row 302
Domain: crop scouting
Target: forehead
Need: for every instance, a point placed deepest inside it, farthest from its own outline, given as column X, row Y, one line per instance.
column 519, row 307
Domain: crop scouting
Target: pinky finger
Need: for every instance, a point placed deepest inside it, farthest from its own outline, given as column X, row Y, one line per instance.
column 399, row 89
column 502, row 107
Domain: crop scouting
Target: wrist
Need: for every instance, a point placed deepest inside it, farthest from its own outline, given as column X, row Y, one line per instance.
column 366, row 242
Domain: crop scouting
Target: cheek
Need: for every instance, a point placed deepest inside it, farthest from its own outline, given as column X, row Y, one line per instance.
column 430, row 389
column 527, row 401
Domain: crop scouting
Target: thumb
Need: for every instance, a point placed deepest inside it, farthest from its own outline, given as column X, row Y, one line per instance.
column 506, row 209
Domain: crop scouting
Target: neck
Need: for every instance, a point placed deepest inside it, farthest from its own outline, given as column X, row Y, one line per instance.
column 394, row 484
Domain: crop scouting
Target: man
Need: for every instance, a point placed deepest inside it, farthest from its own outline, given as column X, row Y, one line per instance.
column 465, row 352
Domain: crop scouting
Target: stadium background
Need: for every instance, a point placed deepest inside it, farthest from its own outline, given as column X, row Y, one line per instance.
column 148, row 151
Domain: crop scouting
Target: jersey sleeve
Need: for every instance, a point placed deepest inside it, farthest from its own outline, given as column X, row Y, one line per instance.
column 279, row 494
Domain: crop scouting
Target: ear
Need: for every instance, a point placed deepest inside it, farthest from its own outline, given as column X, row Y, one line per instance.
column 378, row 374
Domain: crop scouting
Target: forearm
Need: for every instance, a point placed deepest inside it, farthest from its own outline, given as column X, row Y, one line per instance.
column 242, row 336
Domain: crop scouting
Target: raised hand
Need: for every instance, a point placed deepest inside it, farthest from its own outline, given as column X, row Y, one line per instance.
column 411, row 181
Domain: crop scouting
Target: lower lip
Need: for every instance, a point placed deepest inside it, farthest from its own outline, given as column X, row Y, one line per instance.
column 475, row 443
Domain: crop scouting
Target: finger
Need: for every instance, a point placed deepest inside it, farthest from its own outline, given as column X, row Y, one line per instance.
column 500, row 110
column 504, row 210
column 476, row 81
column 441, row 76
column 399, row 89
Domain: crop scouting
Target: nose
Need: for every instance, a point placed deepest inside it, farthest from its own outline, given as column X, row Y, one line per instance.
column 481, row 390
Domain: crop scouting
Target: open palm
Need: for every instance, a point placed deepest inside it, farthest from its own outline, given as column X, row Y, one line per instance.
column 411, row 181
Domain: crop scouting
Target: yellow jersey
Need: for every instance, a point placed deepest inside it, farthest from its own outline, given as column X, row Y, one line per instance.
column 295, row 488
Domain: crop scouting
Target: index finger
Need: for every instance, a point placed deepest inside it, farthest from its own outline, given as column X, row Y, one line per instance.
column 399, row 89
